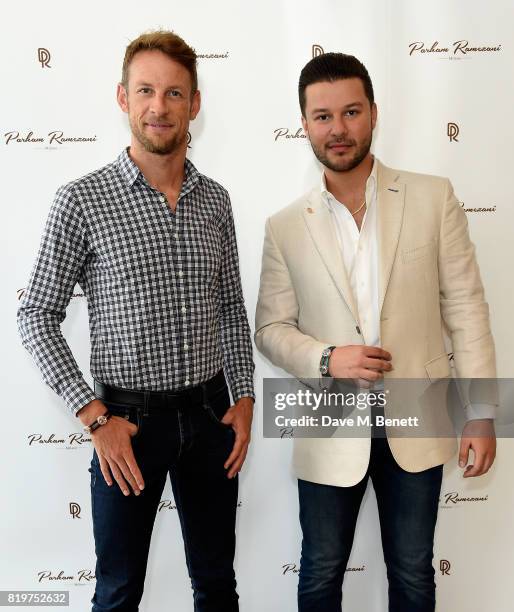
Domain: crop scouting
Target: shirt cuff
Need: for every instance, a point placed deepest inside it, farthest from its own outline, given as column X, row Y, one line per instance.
column 77, row 395
column 242, row 388
column 480, row 411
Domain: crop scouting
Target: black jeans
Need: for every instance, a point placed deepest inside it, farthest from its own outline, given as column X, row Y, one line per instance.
column 407, row 506
column 187, row 441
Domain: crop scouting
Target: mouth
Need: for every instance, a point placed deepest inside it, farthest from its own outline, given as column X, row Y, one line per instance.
column 158, row 127
column 339, row 147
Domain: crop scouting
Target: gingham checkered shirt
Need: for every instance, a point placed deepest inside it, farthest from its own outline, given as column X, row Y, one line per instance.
column 165, row 303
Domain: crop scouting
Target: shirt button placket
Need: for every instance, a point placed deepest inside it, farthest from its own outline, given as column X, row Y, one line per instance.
column 183, row 310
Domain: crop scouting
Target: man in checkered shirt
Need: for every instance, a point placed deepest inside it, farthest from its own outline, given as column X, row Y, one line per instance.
column 151, row 242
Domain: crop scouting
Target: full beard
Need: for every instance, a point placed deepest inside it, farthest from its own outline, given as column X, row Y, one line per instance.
column 343, row 165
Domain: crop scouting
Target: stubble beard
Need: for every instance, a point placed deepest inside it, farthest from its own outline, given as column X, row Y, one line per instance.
column 343, row 165
column 163, row 147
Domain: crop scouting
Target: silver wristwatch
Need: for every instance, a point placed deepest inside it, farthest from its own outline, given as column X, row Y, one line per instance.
column 325, row 358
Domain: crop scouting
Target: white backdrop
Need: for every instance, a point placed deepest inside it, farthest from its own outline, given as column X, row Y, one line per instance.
column 247, row 138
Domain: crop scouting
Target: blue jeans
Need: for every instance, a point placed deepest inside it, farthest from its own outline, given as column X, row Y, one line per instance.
column 188, row 442
column 407, row 506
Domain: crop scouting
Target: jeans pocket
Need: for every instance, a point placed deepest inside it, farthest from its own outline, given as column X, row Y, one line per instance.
column 216, row 406
column 129, row 413
column 91, row 469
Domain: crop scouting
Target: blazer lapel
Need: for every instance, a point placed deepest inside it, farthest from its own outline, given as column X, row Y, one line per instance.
column 390, row 205
column 321, row 228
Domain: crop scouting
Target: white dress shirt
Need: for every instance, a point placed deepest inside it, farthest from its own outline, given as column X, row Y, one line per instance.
column 359, row 250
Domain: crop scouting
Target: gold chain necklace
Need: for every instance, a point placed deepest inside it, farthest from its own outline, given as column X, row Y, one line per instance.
column 360, row 208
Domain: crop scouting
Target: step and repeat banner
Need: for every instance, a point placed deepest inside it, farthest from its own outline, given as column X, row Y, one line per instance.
column 442, row 73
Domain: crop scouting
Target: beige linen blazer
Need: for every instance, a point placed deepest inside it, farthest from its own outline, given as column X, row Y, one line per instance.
column 428, row 279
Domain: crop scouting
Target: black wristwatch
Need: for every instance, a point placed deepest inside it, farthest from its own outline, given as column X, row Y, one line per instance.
column 325, row 358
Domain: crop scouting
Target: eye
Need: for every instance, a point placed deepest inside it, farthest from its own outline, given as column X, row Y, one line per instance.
column 144, row 90
column 174, row 93
column 352, row 112
column 321, row 118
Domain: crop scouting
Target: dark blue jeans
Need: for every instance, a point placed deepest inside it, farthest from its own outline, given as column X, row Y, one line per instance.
column 188, row 442
column 407, row 506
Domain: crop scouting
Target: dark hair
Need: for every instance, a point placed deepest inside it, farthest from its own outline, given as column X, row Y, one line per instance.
column 170, row 44
column 333, row 67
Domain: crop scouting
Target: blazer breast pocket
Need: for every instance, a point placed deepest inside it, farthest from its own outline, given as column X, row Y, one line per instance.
column 416, row 253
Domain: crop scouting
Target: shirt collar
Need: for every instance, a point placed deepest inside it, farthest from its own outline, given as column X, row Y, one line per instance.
column 191, row 178
column 127, row 167
column 132, row 173
column 371, row 186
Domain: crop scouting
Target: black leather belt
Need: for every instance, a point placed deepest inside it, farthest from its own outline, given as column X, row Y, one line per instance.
column 160, row 399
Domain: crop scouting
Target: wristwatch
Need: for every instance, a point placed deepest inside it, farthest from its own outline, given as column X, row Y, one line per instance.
column 325, row 358
column 100, row 420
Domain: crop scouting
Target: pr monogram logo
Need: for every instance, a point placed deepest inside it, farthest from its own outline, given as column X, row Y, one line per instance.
column 452, row 132
column 317, row 50
column 75, row 510
column 43, row 56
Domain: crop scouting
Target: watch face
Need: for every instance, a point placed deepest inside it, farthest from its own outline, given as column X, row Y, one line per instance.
column 102, row 420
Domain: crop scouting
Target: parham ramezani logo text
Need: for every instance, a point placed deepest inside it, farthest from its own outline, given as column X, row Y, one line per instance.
column 292, row 568
column 478, row 209
column 55, row 138
column 456, row 50
column 451, row 499
column 284, row 133
column 82, row 576
column 21, row 292
column 72, row 440
column 212, row 55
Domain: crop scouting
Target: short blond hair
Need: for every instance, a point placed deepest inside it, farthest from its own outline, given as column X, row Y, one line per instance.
column 168, row 43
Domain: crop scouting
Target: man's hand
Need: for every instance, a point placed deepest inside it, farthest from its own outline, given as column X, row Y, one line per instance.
column 239, row 417
column 361, row 364
column 114, row 449
column 477, row 435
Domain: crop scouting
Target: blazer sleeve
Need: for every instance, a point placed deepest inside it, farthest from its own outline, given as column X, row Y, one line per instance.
column 463, row 307
column 277, row 335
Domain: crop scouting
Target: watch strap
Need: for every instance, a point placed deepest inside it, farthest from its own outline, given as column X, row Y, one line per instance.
column 98, row 422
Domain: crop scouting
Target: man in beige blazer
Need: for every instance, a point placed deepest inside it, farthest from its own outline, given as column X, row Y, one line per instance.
column 359, row 277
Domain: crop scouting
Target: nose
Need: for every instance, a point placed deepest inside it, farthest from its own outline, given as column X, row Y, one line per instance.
column 339, row 127
column 158, row 105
